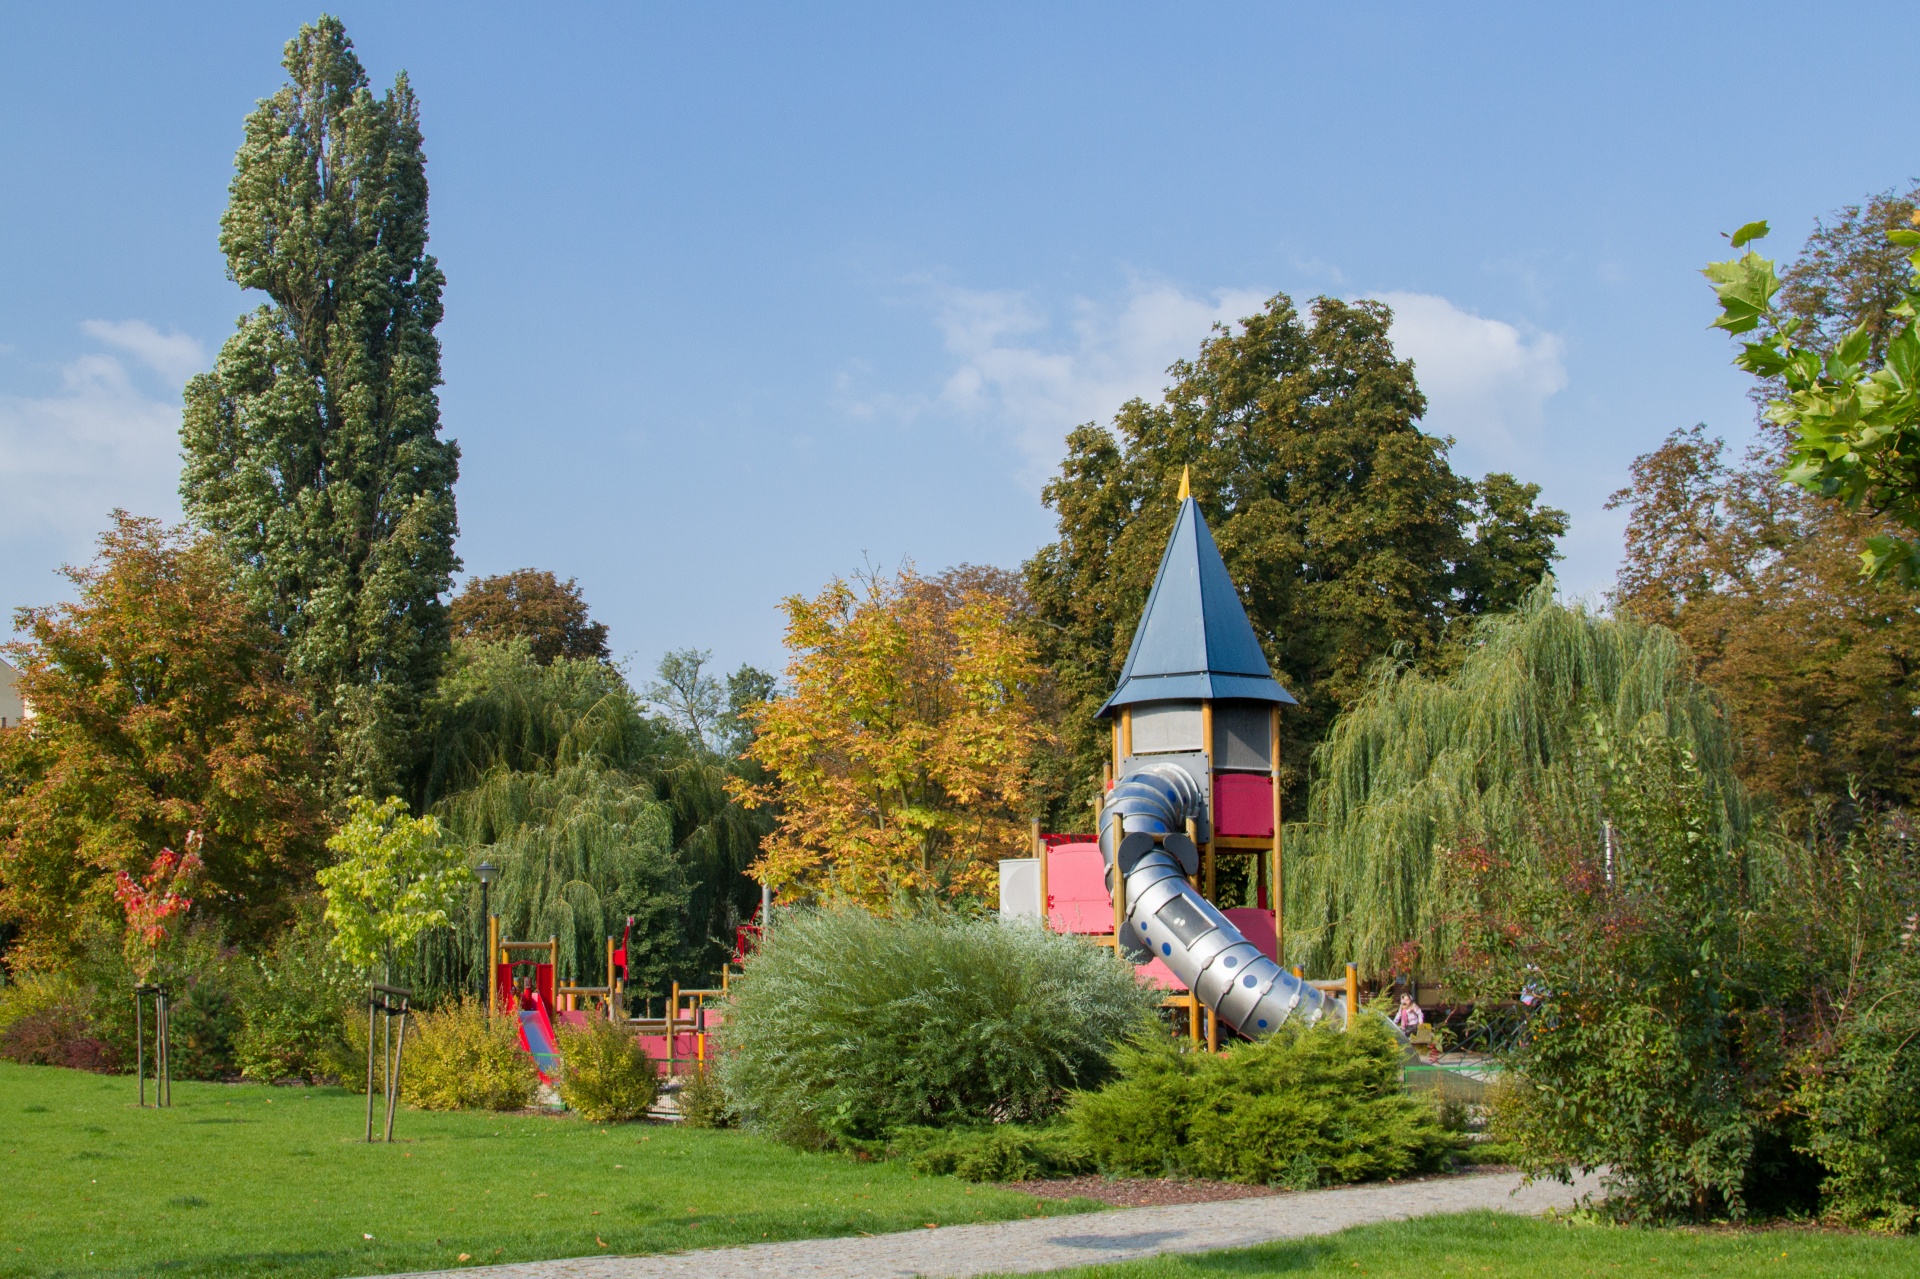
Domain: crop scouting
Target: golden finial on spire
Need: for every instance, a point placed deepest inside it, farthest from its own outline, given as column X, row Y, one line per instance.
column 1186, row 484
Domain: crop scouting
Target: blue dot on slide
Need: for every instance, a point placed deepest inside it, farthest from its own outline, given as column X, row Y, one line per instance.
column 1263, row 1023
column 1166, row 948
column 1233, row 961
column 1251, row 980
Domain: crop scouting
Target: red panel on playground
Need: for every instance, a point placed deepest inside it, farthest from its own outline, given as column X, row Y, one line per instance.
column 1243, row 805
column 1077, row 900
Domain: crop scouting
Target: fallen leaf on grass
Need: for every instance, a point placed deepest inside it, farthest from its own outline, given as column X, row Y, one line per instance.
column 466, row 1256
column 597, row 1239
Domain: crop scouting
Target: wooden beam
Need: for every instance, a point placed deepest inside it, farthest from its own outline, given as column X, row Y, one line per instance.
column 1276, row 881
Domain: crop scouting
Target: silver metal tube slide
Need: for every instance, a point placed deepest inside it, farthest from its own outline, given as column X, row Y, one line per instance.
column 1167, row 917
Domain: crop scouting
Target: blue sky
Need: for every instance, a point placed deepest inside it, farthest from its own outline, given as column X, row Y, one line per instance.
column 743, row 296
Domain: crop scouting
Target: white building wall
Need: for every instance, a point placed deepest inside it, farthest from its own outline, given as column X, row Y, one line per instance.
column 12, row 708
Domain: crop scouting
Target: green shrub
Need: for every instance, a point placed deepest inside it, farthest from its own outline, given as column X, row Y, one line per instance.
column 292, row 1011
column 31, row 994
column 604, row 1075
column 1302, row 1108
column 44, row 1021
column 994, row 1152
column 704, row 1103
column 458, row 1059
column 848, row 1026
column 1863, row 1107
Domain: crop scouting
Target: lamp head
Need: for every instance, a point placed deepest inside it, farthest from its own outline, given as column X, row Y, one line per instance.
column 486, row 872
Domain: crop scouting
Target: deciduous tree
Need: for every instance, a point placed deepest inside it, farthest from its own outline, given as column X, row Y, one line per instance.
column 394, row 878
column 313, row 447
column 1851, row 407
column 534, row 605
column 1818, row 665
column 1346, row 531
column 161, row 707
column 899, row 758
column 1760, row 575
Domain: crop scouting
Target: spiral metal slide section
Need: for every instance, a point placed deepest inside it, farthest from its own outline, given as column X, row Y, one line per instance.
column 1168, row 917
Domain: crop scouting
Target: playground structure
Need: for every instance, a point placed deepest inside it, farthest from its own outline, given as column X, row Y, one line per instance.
column 521, row 980
column 1194, row 778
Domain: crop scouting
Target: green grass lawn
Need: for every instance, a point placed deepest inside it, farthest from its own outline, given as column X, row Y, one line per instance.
column 240, row 1180
column 1499, row 1246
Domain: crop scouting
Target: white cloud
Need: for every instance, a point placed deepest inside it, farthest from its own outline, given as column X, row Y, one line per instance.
column 1035, row 374
column 174, row 356
column 69, row 458
column 1037, row 380
column 1487, row 382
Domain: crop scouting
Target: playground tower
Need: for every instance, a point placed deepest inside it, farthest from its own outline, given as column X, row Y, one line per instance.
column 1194, row 778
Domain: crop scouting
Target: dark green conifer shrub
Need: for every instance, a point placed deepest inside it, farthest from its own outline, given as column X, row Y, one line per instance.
column 1302, row 1108
column 993, row 1152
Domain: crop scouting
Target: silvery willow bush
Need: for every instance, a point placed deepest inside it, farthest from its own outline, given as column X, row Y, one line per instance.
column 848, row 1025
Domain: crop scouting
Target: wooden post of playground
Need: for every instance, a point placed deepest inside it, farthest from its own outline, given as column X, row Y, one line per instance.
column 493, row 964
column 1276, row 884
column 1213, row 1027
column 613, row 990
column 673, row 1013
column 1119, row 883
column 1353, row 995
column 1040, row 851
column 1193, row 1017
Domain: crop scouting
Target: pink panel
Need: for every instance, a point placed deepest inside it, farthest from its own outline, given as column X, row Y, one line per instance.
column 1157, row 975
column 572, row 1017
column 1256, row 926
column 1243, row 804
column 685, row 1048
column 1077, row 900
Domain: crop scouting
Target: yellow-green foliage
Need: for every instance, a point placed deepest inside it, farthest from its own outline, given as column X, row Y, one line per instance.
column 1303, row 1108
column 459, row 1059
column 30, row 993
column 703, row 1102
column 604, row 1075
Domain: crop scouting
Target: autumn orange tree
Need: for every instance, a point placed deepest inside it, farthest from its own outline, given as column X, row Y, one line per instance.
column 900, row 761
column 161, row 707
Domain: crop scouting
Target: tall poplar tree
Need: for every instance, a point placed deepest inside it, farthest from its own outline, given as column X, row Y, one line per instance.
column 313, row 447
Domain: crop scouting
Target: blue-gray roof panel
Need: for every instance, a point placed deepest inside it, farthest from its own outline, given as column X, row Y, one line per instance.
column 1194, row 626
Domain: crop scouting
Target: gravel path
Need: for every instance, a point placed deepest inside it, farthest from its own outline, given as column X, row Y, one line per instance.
column 1053, row 1243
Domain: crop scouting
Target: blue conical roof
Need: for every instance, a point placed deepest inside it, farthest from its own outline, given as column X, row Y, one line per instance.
column 1194, row 640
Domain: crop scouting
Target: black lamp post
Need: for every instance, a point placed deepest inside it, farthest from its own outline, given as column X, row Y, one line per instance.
column 486, row 872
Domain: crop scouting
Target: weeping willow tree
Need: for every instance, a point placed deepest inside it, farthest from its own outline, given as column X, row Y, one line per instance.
column 1498, row 750
column 581, row 850
column 594, row 811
